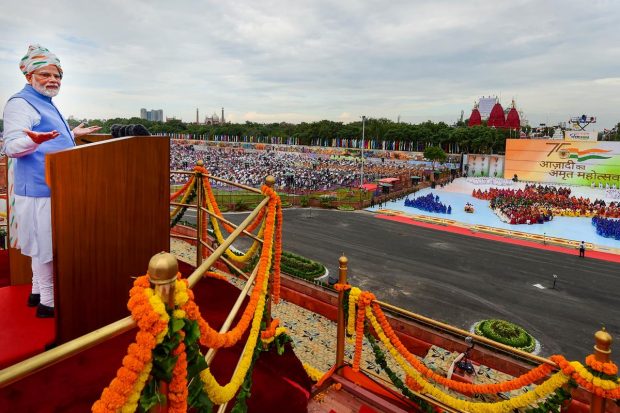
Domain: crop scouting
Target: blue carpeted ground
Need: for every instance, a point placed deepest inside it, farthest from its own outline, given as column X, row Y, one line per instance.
column 579, row 229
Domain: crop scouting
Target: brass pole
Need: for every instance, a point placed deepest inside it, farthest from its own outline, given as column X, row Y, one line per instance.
column 602, row 351
column 342, row 279
column 270, row 181
column 198, row 272
column 232, row 224
column 199, row 229
column 163, row 269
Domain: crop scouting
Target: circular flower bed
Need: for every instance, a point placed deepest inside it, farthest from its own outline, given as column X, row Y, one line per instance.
column 507, row 333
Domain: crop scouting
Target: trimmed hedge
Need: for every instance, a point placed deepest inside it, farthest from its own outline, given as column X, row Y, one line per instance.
column 301, row 267
column 507, row 333
column 345, row 208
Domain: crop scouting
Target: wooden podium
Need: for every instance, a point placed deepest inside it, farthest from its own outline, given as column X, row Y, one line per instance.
column 110, row 215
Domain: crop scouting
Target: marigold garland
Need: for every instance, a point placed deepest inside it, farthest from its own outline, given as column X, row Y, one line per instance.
column 608, row 367
column 603, row 388
column 314, row 373
column 353, row 296
column 342, row 287
column 270, row 331
column 210, row 199
column 150, row 315
column 231, row 255
column 275, row 290
column 221, row 394
column 177, row 391
column 526, row 379
column 541, row 391
column 183, row 200
column 212, row 338
column 183, row 189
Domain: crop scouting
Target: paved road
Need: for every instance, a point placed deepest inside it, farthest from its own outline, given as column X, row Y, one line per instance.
column 460, row 280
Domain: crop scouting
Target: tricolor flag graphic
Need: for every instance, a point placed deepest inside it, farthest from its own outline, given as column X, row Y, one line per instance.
column 584, row 155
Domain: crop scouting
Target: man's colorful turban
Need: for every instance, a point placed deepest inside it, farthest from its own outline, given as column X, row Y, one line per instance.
column 37, row 57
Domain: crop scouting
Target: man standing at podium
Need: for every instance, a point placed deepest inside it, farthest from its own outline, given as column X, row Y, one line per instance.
column 33, row 127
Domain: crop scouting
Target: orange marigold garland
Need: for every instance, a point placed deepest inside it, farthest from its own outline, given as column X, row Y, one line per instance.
column 526, row 379
column 365, row 298
column 278, row 243
column 210, row 198
column 177, row 391
column 213, row 274
column 609, row 368
column 604, row 388
column 270, row 332
column 150, row 315
column 342, row 287
column 211, row 338
column 183, row 189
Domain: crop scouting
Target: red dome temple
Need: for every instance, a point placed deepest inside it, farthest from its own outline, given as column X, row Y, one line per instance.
column 512, row 120
column 496, row 118
column 475, row 118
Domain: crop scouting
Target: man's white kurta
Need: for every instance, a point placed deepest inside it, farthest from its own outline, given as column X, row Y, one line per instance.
column 33, row 215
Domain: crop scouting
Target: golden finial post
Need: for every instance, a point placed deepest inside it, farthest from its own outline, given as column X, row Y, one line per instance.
column 163, row 269
column 602, row 352
column 340, row 335
column 198, row 177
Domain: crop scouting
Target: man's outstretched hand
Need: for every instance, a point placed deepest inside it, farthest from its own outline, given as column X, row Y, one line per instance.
column 40, row 137
column 80, row 130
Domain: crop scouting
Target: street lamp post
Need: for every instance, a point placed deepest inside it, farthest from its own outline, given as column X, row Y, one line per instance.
column 363, row 131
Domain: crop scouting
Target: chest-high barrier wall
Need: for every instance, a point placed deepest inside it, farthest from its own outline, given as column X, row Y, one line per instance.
column 563, row 162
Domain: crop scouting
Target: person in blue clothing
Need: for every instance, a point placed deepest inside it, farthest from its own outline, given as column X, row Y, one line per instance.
column 33, row 127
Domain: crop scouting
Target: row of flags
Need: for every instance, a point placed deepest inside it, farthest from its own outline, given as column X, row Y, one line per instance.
column 274, row 140
column 370, row 144
column 407, row 146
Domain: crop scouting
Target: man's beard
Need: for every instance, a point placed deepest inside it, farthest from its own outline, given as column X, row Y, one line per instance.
column 50, row 93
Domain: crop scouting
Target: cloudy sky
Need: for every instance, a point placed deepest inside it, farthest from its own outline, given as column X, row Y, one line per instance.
column 303, row 60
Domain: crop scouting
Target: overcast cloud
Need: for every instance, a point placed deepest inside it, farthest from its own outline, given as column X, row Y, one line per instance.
column 299, row 60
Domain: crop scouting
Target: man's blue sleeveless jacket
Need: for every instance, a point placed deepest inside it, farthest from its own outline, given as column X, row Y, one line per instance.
column 30, row 169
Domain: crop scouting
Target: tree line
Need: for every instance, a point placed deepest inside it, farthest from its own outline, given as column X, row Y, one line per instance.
column 451, row 138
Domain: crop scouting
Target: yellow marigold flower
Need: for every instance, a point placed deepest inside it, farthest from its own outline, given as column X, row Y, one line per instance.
column 180, row 314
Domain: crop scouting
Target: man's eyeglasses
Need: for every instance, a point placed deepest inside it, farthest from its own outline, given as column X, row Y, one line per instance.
column 46, row 75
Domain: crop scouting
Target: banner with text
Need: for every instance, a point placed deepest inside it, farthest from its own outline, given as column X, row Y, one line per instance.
column 580, row 135
column 562, row 162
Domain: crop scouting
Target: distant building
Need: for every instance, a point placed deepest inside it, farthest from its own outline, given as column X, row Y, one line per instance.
column 211, row 120
column 155, row 115
column 495, row 115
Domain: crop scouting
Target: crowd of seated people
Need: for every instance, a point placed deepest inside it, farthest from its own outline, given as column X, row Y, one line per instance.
column 292, row 170
column 607, row 227
column 429, row 203
column 536, row 204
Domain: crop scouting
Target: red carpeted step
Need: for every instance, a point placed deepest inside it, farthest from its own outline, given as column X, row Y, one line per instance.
column 279, row 382
column 5, row 278
column 22, row 335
